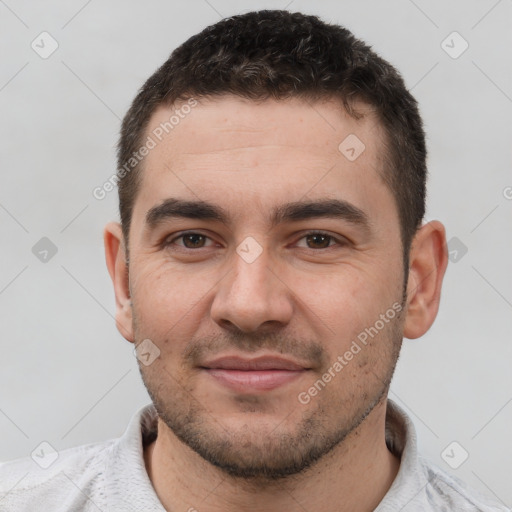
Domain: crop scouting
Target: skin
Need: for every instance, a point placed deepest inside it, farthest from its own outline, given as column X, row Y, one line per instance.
column 220, row 449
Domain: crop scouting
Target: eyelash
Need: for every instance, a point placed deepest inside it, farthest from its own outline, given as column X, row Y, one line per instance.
column 339, row 242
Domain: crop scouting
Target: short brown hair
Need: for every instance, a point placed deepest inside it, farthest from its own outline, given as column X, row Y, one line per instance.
column 278, row 54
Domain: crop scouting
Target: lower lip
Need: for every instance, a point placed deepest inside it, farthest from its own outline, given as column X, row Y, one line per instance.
column 260, row 380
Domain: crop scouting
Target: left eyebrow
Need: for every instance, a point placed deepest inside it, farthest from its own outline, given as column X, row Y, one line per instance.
column 290, row 212
column 321, row 208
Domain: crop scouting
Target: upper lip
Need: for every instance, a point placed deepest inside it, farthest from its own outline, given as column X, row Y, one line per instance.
column 257, row 363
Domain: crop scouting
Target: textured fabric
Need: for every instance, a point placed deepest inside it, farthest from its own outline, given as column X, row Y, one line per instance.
column 110, row 476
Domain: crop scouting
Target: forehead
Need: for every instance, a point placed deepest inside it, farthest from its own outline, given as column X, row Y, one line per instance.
column 230, row 122
column 253, row 154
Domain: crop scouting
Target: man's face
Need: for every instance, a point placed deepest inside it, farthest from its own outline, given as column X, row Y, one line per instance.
column 247, row 287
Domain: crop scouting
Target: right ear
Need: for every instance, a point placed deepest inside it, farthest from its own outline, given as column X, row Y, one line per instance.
column 115, row 255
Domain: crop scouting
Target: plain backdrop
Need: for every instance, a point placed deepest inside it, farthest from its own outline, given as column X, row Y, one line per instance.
column 68, row 377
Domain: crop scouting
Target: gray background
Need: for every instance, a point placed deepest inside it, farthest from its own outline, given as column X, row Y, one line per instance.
column 66, row 374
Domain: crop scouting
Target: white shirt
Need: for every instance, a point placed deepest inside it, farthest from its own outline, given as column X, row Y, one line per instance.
column 111, row 476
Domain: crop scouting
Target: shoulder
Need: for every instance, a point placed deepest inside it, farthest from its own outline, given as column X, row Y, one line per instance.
column 47, row 479
column 107, row 475
column 420, row 485
column 448, row 491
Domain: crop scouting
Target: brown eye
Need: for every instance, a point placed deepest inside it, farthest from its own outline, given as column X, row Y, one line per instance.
column 193, row 241
column 318, row 241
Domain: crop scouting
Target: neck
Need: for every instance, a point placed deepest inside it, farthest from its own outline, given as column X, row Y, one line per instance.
column 355, row 475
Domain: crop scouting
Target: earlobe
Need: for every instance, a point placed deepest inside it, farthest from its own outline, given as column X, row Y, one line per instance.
column 115, row 256
column 427, row 265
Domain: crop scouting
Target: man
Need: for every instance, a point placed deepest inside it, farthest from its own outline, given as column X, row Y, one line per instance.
column 270, row 258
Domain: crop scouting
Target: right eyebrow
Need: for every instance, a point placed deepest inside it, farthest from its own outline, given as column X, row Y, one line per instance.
column 173, row 207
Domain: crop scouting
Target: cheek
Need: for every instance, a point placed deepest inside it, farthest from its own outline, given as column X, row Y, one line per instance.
column 346, row 304
column 341, row 298
column 168, row 300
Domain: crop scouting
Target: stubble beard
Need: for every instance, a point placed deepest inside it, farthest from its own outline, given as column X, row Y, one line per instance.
column 262, row 459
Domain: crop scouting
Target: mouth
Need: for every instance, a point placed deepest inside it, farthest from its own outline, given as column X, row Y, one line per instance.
column 256, row 374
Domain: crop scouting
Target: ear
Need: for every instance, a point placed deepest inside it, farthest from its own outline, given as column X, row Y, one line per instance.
column 115, row 255
column 427, row 265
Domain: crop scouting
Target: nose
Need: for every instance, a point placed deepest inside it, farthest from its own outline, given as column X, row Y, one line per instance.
column 252, row 297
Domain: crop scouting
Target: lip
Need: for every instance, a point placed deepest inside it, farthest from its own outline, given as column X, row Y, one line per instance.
column 254, row 364
column 251, row 375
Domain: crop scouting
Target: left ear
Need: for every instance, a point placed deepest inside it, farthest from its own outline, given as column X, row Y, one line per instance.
column 427, row 265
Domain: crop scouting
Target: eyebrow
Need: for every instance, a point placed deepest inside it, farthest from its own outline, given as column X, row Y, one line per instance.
column 290, row 212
